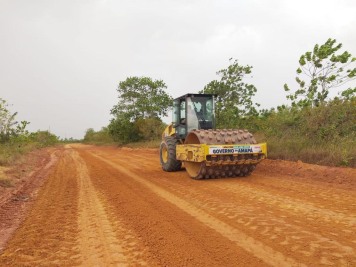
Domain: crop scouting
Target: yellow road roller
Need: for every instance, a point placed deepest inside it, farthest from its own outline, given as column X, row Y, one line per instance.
column 192, row 141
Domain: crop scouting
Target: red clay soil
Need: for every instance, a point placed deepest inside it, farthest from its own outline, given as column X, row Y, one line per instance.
column 23, row 181
column 105, row 206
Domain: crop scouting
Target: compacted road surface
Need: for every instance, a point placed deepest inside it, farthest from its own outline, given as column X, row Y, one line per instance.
column 106, row 206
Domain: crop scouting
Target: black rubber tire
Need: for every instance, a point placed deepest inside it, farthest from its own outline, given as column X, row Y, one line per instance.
column 172, row 164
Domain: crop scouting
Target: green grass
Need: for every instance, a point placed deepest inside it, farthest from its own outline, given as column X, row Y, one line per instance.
column 15, row 146
column 10, row 152
column 324, row 135
column 339, row 153
column 140, row 144
column 146, row 144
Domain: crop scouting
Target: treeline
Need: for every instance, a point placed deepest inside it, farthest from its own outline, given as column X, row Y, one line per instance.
column 15, row 139
column 122, row 131
column 311, row 127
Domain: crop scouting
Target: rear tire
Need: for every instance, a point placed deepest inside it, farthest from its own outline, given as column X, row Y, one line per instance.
column 167, row 155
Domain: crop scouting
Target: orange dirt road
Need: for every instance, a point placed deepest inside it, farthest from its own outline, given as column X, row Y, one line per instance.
column 105, row 206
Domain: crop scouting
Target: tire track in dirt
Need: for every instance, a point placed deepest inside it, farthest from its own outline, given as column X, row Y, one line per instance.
column 309, row 199
column 286, row 224
column 274, row 198
column 48, row 234
column 98, row 243
column 253, row 246
column 316, row 193
column 297, row 228
column 167, row 235
column 319, row 207
column 15, row 202
column 102, row 206
column 68, row 224
column 289, row 203
column 278, row 226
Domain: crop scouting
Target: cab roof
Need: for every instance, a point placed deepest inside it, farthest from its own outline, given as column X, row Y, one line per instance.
column 194, row 95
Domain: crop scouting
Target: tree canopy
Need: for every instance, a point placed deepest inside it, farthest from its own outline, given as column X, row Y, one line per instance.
column 8, row 126
column 137, row 114
column 321, row 70
column 142, row 97
column 234, row 95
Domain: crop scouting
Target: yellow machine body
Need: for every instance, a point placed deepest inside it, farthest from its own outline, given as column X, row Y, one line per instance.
column 222, row 154
column 193, row 142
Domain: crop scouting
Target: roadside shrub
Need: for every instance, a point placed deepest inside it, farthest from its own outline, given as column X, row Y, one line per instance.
column 100, row 137
column 124, row 131
column 21, row 144
column 44, row 138
column 15, row 139
column 150, row 128
column 325, row 134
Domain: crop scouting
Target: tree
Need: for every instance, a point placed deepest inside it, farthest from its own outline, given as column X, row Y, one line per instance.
column 234, row 95
column 321, row 70
column 348, row 93
column 44, row 138
column 141, row 97
column 150, row 128
column 89, row 134
column 123, row 130
column 8, row 126
column 141, row 102
column 101, row 136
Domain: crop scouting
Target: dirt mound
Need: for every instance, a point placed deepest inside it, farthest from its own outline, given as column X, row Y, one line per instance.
column 334, row 176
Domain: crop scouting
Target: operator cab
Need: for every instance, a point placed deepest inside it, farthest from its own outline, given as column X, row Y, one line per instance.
column 193, row 111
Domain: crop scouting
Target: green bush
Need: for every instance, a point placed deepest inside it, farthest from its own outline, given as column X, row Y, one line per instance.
column 100, row 137
column 19, row 144
column 43, row 138
column 15, row 139
column 125, row 131
column 325, row 134
column 150, row 129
